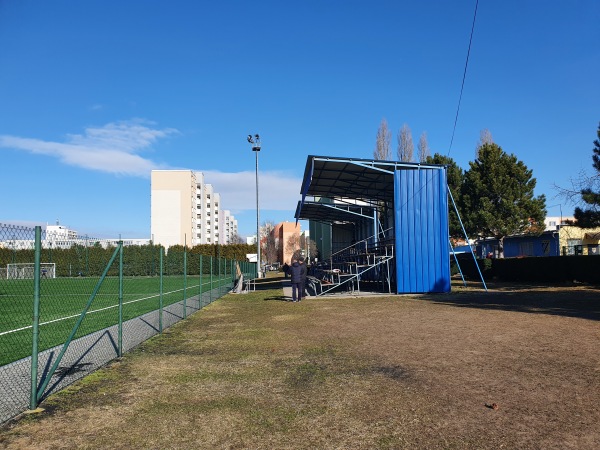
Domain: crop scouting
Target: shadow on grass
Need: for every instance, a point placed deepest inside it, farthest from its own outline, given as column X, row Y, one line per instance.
column 580, row 302
column 271, row 282
column 281, row 298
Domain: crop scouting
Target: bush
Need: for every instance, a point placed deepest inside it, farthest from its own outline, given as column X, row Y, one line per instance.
column 468, row 267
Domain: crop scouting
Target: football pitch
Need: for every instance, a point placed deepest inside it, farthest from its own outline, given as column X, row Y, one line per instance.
column 62, row 301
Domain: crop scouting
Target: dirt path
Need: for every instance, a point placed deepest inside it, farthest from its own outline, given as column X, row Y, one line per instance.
column 514, row 368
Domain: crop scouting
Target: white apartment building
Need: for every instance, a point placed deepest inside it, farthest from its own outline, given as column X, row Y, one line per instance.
column 207, row 208
column 186, row 210
column 228, row 227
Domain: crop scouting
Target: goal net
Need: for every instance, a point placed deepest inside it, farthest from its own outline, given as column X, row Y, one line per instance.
column 27, row 270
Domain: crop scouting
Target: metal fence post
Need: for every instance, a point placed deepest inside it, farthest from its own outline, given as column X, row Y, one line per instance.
column 211, row 278
column 200, row 301
column 120, row 338
column 68, row 341
column 160, row 296
column 219, row 277
column 33, row 400
column 184, row 281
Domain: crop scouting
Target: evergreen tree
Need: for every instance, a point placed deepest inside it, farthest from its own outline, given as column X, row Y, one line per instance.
column 455, row 177
column 497, row 196
column 590, row 217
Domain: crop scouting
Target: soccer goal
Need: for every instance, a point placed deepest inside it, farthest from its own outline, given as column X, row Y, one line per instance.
column 27, row 270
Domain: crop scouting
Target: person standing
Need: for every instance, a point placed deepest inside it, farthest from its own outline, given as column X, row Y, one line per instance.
column 303, row 274
column 286, row 269
column 295, row 271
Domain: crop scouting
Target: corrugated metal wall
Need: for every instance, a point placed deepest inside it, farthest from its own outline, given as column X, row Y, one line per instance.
column 421, row 216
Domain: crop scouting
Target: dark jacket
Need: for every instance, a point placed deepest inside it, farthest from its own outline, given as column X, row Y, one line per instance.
column 303, row 272
column 296, row 271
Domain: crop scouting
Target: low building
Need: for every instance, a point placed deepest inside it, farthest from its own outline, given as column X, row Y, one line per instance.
column 563, row 241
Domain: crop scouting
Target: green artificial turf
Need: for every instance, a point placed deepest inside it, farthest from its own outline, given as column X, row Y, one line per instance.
column 62, row 301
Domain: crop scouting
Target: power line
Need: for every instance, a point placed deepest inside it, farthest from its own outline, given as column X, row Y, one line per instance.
column 464, row 76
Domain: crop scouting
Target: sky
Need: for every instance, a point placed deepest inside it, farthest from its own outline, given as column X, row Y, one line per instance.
column 96, row 94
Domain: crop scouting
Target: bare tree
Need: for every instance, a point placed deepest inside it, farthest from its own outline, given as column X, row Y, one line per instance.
column 309, row 246
column 585, row 192
column 293, row 245
column 424, row 152
column 382, row 144
column 237, row 239
column 269, row 242
column 485, row 137
column 406, row 148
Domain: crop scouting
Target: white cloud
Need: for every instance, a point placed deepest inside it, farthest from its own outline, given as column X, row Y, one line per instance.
column 278, row 191
column 115, row 148
column 112, row 148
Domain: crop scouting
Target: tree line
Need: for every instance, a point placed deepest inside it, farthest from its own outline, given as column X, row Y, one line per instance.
column 495, row 195
column 138, row 260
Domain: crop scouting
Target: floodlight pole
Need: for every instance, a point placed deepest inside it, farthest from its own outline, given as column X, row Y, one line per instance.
column 255, row 142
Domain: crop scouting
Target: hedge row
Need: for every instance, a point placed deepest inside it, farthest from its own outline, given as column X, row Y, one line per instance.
column 545, row 269
column 143, row 260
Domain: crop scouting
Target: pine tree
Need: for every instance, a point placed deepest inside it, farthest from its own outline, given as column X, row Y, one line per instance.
column 590, row 217
column 455, row 178
column 497, row 196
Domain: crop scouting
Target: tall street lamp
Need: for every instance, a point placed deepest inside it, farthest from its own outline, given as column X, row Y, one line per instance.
column 255, row 143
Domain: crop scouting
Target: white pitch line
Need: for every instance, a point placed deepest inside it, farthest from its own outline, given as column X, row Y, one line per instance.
column 95, row 310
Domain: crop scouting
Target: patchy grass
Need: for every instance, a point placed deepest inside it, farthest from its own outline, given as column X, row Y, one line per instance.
column 249, row 371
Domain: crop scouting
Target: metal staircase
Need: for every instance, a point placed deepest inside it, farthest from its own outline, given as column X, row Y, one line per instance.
column 367, row 261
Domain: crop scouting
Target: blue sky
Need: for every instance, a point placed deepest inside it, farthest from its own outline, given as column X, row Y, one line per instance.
column 95, row 94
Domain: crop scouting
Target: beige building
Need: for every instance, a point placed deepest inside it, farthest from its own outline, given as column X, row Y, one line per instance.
column 579, row 241
column 283, row 231
column 173, row 207
column 186, row 210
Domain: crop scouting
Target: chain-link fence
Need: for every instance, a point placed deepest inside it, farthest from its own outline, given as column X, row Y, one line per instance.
column 69, row 306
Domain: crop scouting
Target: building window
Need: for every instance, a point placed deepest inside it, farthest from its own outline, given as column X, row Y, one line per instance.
column 574, row 247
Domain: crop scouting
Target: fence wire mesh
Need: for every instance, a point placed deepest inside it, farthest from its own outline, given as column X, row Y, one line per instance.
column 97, row 300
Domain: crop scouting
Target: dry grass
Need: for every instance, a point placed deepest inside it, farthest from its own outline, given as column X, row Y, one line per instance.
column 250, row 371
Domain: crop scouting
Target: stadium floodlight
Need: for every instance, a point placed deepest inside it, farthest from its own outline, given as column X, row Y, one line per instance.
column 255, row 142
